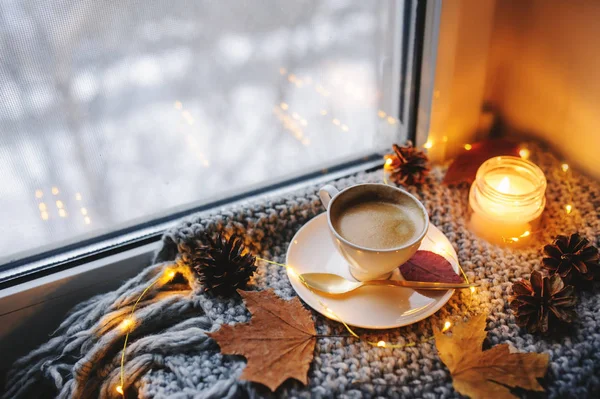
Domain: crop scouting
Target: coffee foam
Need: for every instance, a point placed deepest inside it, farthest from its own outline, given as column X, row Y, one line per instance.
column 377, row 218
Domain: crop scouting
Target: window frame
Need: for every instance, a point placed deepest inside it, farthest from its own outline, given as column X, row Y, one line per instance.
column 418, row 43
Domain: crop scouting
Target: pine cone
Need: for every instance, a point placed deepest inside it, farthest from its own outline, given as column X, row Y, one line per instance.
column 409, row 165
column 573, row 258
column 223, row 265
column 542, row 303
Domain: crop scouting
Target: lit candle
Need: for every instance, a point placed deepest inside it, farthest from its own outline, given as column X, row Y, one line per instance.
column 507, row 199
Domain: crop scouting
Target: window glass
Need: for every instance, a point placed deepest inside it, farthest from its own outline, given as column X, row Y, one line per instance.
column 112, row 112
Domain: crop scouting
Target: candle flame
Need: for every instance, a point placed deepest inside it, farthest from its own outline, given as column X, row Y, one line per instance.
column 504, row 185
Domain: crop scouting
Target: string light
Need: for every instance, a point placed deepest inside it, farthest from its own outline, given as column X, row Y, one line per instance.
column 42, row 206
column 284, row 106
column 345, row 128
column 128, row 322
column 564, row 167
column 468, row 147
column 388, row 161
column 59, row 204
column 87, row 220
column 44, row 215
column 524, row 153
column 336, row 121
column 327, row 309
column 511, row 240
column 391, row 120
column 77, row 196
column 178, row 105
column 39, row 193
column 447, row 325
column 83, row 211
column 282, row 71
column 55, row 190
column 568, row 208
column 381, row 114
column 428, row 144
column 323, row 112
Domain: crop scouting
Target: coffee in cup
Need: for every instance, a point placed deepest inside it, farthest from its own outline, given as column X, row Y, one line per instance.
column 376, row 227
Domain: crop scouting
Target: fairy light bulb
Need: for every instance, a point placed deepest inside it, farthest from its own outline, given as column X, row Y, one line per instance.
column 524, row 153
column 126, row 324
column 569, row 208
column 468, row 147
column 564, row 167
column 428, row 144
column 381, row 344
column 447, row 326
column 292, row 272
column 472, row 290
column 119, row 389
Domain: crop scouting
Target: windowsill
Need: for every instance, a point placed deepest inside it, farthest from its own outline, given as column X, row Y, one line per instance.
column 139, row 233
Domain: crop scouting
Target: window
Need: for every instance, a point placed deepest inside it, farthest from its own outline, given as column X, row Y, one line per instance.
column 112, row 113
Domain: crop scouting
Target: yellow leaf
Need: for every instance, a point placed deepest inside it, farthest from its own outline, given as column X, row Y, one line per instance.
column 491, row 373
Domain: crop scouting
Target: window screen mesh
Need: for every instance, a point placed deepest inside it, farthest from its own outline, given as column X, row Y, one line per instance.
column 112, row 111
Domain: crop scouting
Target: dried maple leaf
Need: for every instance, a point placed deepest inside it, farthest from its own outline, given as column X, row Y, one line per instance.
column 431, row 267
column 491, row 373
column 465, row 165
column 278, row 342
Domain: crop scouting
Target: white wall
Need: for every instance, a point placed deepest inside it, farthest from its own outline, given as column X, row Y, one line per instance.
column 460, row 74
column 544, row 74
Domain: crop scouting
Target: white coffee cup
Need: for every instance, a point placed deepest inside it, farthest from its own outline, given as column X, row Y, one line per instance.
column 370, row 263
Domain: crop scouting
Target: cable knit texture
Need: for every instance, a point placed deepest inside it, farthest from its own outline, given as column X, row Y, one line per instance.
column 170, row 355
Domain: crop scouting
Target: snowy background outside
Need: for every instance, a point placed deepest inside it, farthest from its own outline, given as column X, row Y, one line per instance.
column 116, row 110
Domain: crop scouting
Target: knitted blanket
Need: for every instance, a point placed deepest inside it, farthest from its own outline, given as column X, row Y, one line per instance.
column 170, row 355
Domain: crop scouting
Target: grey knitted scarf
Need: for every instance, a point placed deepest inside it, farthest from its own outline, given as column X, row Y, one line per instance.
column 170, row 355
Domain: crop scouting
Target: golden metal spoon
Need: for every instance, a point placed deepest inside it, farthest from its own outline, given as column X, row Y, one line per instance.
column 334, row 284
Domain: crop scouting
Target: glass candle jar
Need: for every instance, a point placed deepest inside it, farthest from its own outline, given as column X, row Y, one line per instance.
column 507, row 199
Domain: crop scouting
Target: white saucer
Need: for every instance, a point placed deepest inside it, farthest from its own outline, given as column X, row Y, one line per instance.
column 312, row 250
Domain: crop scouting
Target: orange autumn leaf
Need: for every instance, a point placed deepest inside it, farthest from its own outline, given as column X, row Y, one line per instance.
column 278, row 342
column 491, row 373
